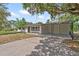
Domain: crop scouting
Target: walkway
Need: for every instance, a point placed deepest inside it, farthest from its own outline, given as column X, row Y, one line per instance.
column 20, row 47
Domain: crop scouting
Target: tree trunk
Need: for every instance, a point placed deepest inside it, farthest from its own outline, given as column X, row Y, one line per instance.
column 71, row 32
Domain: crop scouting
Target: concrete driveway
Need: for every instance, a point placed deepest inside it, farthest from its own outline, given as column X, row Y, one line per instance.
column 20, row 47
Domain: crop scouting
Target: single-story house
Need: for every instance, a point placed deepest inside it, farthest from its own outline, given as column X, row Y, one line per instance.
column 51, row 28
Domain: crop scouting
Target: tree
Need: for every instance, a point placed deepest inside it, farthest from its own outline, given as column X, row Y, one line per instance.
column 48, row 21
column 33, row 8
column 52, row 8
column 3, row 15
column 72, row 8
column 39, row 23
column 21, row 24
column 10, row 25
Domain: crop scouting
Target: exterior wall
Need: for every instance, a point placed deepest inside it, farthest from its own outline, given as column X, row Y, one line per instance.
column 45, row 28
column 34, row 29
column 64, row 28
column 54, row 28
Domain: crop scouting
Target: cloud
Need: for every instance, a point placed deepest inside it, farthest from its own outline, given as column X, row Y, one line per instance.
column 41, row 16
column 44, row 17
column 14, row 14
column 25, row 12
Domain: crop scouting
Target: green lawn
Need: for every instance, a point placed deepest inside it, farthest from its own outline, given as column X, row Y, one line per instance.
column 7, row 32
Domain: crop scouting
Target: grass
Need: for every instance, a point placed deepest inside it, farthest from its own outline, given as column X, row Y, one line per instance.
column 73, row 44
column 7, row 32
column 13, row 37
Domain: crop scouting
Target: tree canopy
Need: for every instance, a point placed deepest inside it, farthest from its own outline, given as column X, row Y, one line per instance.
column 52, row 8
column 3, row 15
column 33, row 8
column 21, row 23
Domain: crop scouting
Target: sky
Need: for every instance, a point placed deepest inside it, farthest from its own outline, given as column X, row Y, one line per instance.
column 17, row 11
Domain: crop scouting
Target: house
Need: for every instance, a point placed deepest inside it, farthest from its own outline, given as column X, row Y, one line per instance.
column 50, row 28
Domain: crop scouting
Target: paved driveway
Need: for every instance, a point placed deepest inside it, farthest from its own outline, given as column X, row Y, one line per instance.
column 20, row 47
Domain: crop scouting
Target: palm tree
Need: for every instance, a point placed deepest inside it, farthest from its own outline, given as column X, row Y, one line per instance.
column 21, row 24
column 3, row 15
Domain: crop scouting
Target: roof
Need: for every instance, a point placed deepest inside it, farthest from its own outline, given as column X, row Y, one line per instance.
column 33, row 24
column 66, row 22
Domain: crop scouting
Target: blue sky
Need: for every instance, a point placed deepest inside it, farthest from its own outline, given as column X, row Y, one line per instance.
column 17, row 11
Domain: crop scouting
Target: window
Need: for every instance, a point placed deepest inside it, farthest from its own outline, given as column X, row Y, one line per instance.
column 35, row 28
